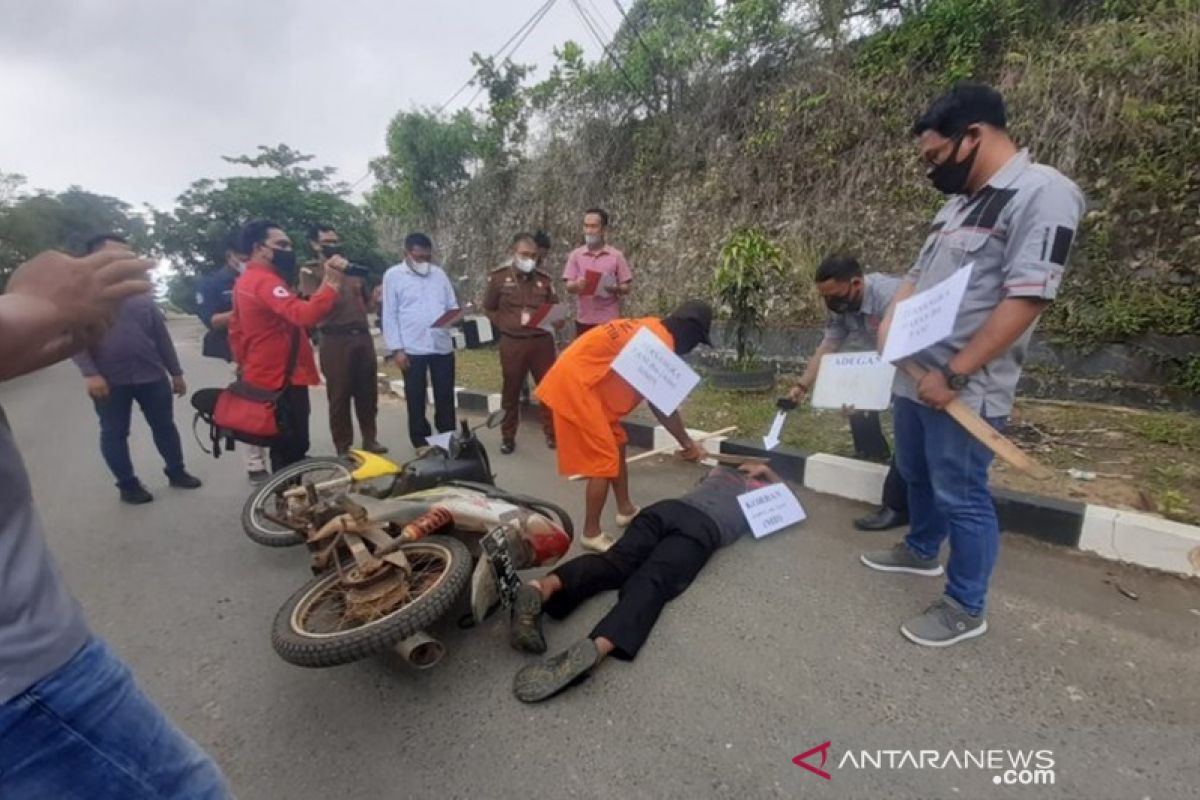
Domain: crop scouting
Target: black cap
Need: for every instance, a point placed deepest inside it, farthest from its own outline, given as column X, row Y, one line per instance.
column 700, row 313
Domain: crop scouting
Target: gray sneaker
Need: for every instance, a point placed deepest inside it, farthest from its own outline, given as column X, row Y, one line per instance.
column 944, row 623
column 901, row 559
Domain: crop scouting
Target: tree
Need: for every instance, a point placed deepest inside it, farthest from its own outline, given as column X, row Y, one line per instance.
column 31, row 223
column 193, row 236
column 506, row 120
column 427, row 155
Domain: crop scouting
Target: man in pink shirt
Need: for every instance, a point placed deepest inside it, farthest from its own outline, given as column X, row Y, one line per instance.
column 599, row 298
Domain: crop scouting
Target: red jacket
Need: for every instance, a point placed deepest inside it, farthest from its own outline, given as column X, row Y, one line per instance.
column 265, row 312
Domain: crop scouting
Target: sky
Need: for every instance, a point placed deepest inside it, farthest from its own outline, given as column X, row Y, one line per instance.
column 138, row 98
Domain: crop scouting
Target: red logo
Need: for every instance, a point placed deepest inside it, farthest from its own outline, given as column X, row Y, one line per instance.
column 823, row 749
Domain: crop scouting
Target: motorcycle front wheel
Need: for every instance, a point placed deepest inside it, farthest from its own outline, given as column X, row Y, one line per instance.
column 316, row 626
column 268, row 501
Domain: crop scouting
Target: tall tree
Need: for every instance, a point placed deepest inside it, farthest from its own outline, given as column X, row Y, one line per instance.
column 193, row 236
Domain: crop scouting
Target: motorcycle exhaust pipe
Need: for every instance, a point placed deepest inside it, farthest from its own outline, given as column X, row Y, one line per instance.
column 421, row 650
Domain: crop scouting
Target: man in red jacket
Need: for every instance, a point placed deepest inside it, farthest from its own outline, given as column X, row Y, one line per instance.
column 269, row 319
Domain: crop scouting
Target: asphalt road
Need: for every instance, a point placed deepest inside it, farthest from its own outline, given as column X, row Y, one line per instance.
column 781, row 645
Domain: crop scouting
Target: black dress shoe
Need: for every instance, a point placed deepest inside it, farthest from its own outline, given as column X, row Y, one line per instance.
column 183, row 480
column 508, row 446
column 374, row 447
column 882, row 520
column 136, row 495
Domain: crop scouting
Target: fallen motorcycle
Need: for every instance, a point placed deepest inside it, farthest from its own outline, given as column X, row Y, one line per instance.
column 394, row 547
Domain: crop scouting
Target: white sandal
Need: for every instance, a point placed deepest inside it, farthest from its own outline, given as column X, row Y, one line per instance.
column 623, row 520
column 599, row 543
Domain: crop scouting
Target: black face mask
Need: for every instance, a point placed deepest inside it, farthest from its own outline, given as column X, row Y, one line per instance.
column 331, row 250
column 843, row 303
column 284, row 262
column 950, row 177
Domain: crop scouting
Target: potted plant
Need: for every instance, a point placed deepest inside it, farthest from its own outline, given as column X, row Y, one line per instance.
column 750, row 266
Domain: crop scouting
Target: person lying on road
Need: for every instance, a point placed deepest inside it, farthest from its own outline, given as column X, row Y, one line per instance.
column 663, row 551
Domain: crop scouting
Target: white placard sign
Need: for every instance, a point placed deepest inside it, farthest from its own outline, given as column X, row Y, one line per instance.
column 862, row 380
column 927, row 318
column 770, row 509
column 650, row 367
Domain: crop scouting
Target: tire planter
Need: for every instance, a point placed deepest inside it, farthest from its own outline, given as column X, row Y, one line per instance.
column 760, row 379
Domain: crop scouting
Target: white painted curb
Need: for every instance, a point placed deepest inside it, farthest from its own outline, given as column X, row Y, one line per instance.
column 1141, row 539
column 845, row 477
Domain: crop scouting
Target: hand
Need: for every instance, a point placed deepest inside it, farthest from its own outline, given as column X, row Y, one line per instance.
column 798, row 392
column 335, row 271
column 178, row 385
column 97, row 387
column 693, row 452
column 759, row 472
column 933, row 390
column 400, row 359
column 847, row 411
column 85, row 291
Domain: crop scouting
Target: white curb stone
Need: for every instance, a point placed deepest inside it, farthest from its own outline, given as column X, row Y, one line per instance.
column 1141, row 539
column 844, row 477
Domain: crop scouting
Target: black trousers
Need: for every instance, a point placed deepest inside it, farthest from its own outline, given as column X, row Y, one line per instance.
column 659, row 556
column 870, row 444
column 438, row 369
column 292, row 445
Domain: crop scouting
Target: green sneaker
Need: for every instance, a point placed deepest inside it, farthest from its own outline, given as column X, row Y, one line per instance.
column 942, row 624
column 901, row 559
column 550, row 676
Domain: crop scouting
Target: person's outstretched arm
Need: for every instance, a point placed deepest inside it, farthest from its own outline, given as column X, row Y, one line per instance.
column 56, row 305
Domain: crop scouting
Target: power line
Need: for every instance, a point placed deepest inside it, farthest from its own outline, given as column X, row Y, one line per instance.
column 638, row 35
column 544, row 11
column 532, row 21
column 583, row 15
column 526, row 29
column 609, row 31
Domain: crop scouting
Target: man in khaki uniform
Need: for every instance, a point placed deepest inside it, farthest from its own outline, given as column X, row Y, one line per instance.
column 514, row 295
column 347, row 350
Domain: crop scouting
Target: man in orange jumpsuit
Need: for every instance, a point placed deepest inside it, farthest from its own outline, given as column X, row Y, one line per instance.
column 589, row 399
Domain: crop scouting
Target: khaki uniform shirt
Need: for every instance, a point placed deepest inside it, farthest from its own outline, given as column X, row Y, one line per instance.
column 512, row 297
column 353, row 300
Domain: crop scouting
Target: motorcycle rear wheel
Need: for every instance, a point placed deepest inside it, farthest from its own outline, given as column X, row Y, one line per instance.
column 308, row 629
column 254, row 520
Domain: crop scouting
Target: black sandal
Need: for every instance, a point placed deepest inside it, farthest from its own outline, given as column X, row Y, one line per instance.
column 550, row 676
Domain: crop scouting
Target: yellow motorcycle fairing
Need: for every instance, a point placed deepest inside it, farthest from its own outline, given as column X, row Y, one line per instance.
column 370, row 466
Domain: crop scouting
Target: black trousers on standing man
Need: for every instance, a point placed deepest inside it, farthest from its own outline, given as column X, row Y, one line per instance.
column 871, row 445
column 661, row 553
column 423, row 370
column 292, row 411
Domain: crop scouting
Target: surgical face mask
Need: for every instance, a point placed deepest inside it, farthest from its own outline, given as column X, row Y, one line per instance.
column 593, row 239
column 525, row 264
column 419, row 267
column 950, row 177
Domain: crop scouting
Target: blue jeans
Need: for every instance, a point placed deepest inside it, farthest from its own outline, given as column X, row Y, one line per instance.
column 86, row 732
column 946, row 469
column 116, row 412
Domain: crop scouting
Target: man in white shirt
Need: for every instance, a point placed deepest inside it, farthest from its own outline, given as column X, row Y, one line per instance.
column 416, row 294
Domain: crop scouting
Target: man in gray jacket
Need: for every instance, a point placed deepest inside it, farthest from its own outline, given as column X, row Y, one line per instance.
column 73, row 722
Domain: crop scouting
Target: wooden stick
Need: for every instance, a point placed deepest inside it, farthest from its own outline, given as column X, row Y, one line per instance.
column 669, row 448
column 985, row 433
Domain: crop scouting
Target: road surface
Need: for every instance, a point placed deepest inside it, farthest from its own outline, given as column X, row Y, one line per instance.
column 781, row 645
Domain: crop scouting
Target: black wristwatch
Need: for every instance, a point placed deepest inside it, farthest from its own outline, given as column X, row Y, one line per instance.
column 954, row 380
